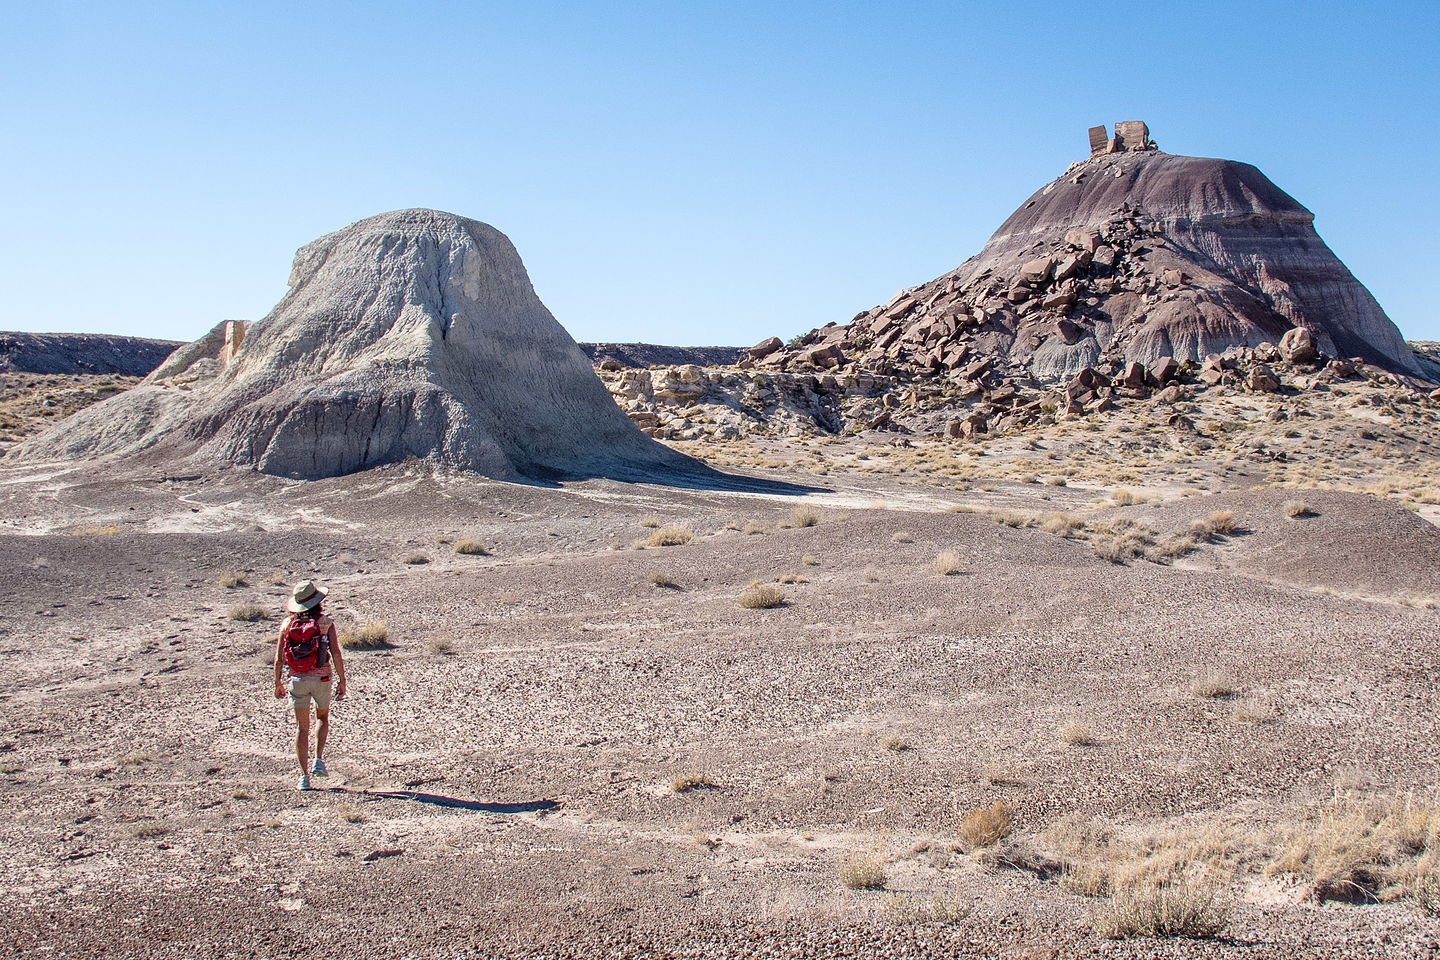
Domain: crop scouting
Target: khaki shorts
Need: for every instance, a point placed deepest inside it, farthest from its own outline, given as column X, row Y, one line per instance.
column 302, row 689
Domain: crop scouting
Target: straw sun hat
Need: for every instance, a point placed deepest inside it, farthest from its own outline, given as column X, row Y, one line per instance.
column 306, row 596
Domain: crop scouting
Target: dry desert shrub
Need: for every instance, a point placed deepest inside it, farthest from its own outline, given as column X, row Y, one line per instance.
column 1211, row 686
column 1295, row 509
column 1221, row 523
column 761, row 596
column 871, row 575
column 669, row 537
column 1078, row 735
column 1132, row 544
column 791, row 578
column 440, row 647
column 650, row 523
column 1366, row 849
column 1188, row 902
column 416, row 559
column 95, row 532
column 901, row 536
column 231, row 579
column 350, row 812
column 663, row 580
column 471, row 548
column 810, row 560
column 937, row 908
column 370, row 635
column 1122, row 497
column 985, row 826
column 1062, row 525
column 863, row 873
column 248, row 613
column 896, row 744
column 947, row 563
column 150, row 829
column 752, row 528
column 1013, row 518
column 804, row 517
column 686, row 782
column 1250, row 713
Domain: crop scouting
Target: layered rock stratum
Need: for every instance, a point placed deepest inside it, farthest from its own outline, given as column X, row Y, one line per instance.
column 410, row 334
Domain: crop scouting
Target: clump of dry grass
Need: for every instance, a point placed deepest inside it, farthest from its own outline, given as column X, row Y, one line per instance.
column 350, row 812
column 791, row 578
column 810, row 560
column 871, row 575
column 1122, row 497
column 901, row 536
column 896, row 744
column 150, row 829
column 1367, row 849
column 1250, row 713
column 1221, row 523
column 1295, row 509
column 650, row 523
column 947, row 563
column 1177, row 903
column 370, row 635
column 1078, row 735
column 753, row 528
column 863, row 873
column 1122, row 539
column 248, row 613
column 471, row 548
column 416, row 559
column 663, row 580
column 986, row 826
column 669, row 537
column 441, row 647
column 231, row 579
column 937, row 908
column 761, row 596
column 1013, row 518
column 804, row 517
column 1062, row 525
column 1212, row 686
column 686, row 782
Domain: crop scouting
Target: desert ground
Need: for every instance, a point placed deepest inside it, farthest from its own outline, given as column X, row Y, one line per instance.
column 1019, row 697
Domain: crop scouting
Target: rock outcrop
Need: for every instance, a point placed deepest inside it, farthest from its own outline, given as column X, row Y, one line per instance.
column 1130, row 256
column 79, row 354
column 410, row 334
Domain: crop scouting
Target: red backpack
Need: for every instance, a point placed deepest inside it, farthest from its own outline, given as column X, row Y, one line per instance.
column 306, row 647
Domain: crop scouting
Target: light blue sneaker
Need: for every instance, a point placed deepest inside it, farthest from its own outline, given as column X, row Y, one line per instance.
column 318, row 768
column 303, row 783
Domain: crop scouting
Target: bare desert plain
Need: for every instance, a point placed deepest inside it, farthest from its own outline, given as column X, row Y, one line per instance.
column 1089, row 689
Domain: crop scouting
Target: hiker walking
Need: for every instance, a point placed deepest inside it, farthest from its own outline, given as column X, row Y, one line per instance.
column 305, row 648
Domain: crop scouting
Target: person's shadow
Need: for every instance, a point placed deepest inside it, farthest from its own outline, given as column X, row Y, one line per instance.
column 454, row 803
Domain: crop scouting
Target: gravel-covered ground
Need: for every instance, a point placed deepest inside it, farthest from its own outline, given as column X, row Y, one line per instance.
column 505, row 771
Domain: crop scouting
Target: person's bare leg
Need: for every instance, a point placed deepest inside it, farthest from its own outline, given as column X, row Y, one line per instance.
column 321, row 733
column 302, row 738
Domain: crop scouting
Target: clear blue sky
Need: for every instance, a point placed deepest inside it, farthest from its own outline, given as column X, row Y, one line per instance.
column 671, row 172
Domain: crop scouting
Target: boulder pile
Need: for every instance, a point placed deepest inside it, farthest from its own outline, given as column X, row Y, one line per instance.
column 1128, row 257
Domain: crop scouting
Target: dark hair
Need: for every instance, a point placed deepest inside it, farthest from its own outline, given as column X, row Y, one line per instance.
column 314, row 611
